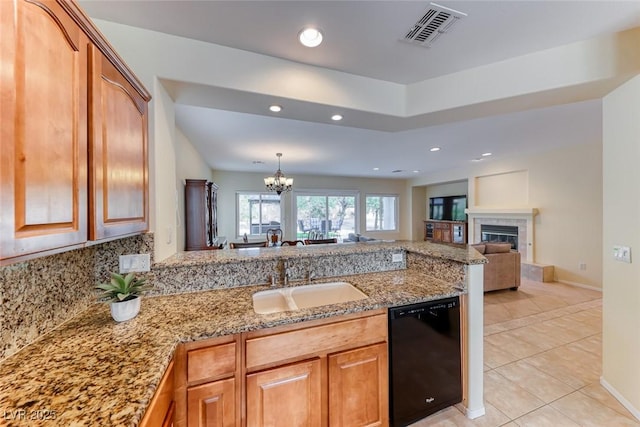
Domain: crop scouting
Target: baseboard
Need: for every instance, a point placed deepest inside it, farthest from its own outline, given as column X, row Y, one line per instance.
column 580, row 285
column 624, row 402
column 475, row 413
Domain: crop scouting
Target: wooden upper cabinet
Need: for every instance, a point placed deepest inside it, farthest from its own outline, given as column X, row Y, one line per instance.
column 61, row 102
column 118, row 153
column 43, row 128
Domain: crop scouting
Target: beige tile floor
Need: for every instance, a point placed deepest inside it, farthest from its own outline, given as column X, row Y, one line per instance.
column 542, row 362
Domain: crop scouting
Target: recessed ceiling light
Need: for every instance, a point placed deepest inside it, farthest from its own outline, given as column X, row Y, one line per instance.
column 275, row 108
column 416, row 171
column 376, row 169
column 486, row 154
column 336, row 117
column 310, row 37
column 258, row 162
column 477, row 160
column 435, row 149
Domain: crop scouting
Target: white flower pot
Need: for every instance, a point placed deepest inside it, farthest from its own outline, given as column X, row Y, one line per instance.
column 125, row 310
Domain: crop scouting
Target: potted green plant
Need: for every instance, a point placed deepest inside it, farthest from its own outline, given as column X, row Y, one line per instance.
column 123, row 292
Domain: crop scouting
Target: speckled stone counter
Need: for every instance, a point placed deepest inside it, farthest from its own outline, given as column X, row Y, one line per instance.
column 462, row 254
column 220, row 269
column 92, row 371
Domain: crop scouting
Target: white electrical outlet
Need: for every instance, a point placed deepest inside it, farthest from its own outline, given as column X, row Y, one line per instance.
column 396, row 257
column 135, row 263
column 622, row 253
column 582, row 265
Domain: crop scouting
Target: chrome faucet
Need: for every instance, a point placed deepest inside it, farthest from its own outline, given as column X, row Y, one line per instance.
column 287, row 273
column 311, row 274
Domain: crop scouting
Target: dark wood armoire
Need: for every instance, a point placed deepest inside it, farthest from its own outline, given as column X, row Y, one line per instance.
column 201, row 218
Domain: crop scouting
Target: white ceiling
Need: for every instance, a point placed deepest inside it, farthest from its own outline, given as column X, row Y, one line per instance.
column 362, row 38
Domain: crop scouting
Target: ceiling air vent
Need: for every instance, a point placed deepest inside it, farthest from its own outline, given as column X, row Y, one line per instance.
column 436, row 21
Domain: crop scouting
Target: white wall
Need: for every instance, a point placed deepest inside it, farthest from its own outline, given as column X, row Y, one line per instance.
column 231, row 182
column 419, row 211
column 445, row 189
column 162, row 172
column 153, row 55
column 492, row 190
column 621, row 218
column 189, row 165
column 566, row 186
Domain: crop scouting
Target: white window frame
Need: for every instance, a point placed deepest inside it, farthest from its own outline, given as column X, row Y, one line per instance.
column 396, row 211
column 326, row 193
column 261, row 193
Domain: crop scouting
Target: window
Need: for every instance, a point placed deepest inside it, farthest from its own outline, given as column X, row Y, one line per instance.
column 382, row 213
column 257, row 213
column 329, row 214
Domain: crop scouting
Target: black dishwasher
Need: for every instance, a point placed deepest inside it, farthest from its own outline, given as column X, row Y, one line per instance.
column 424, row 359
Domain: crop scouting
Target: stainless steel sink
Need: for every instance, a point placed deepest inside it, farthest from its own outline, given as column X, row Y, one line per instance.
column 295, row 298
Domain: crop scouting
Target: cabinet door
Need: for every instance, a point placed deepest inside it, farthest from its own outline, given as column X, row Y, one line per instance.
column 43, row 128
column 119, row 197
column 286, row 396
column 358, row 387
column 168, row 419
column 212, row 404
column 162, row 406
column 459, row 233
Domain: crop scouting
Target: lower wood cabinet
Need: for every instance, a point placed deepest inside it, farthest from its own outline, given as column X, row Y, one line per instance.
column 212, row 404
column 326, row 372
column 161, row 410
column 208, row 383
column 358, row 387
column 286, row 396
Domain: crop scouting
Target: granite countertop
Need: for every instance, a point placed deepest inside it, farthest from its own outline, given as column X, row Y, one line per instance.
column 459, row 253
column 92, row 371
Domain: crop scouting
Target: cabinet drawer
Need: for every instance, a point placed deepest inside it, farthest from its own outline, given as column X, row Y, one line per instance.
column 211, row 363
column 288, row 346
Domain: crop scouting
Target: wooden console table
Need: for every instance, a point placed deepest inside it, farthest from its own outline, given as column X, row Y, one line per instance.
column 445, row 231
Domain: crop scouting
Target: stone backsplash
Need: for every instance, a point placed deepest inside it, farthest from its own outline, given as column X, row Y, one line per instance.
column 39, row 294
column 220, row 275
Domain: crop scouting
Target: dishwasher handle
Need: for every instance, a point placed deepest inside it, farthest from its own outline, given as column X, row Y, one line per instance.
column 415, row 310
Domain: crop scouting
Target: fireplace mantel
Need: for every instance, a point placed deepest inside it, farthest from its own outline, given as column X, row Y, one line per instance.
column 510, row 212
column 523, row 217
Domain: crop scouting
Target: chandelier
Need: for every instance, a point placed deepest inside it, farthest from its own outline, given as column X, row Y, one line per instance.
column 278, row 182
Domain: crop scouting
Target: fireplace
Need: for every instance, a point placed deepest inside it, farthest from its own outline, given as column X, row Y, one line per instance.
column 499, row 233
column 518, row 221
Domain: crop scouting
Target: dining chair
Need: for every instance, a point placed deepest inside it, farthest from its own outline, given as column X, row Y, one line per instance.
column 274, row 236
column 291, row 243
column 319, row 241
column 240, row 245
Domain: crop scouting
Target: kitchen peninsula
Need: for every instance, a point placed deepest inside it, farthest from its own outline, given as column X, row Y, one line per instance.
column 92, row 371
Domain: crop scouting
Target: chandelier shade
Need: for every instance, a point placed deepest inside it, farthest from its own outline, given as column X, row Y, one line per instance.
column 278, row 182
